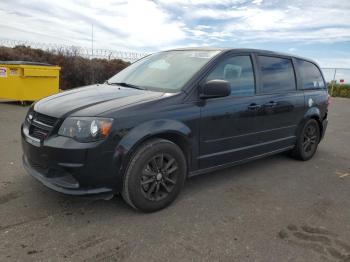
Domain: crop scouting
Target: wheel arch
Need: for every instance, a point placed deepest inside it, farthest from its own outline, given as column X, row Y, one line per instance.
column 175, row 137
column 311, row 113
column 172, row 130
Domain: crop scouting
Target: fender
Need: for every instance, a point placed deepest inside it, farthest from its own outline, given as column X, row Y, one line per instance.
column 312, row 112
column 152, row 128
column 128, row 144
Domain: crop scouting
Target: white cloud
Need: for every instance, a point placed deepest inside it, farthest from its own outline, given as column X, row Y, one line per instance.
column 257, row 2
column 143, row 25
column 152, row 25
column 337, row 62
column 303, row 21
column 201, row 2
column 128, row 25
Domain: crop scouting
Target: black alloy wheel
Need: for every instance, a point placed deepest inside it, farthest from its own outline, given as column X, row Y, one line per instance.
column 310, row 138
column 155, row 175
column 159, row 177
column 307, row 141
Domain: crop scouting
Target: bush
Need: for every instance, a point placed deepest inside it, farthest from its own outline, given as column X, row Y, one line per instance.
column 75, row 70
column 339, row 90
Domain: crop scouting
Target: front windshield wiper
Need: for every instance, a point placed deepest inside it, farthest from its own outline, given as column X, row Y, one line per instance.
column 126, row 85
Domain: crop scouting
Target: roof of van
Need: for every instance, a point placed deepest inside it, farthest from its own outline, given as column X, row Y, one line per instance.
column 260, row 51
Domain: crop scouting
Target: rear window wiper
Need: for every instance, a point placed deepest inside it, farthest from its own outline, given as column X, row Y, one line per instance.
column 126, row 85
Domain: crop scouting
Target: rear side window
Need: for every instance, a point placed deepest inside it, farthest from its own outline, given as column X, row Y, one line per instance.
column 277, row 74
column 310, row 75
column 238, row 71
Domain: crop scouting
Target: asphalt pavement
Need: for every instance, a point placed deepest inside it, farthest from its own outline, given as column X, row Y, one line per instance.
column 273, row 209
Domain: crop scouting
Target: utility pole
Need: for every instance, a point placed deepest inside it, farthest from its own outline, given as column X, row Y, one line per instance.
column 332, row 88
column 92, row 40
column 92, row 55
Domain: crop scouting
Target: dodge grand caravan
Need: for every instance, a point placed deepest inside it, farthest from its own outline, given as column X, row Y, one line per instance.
column 172, row 115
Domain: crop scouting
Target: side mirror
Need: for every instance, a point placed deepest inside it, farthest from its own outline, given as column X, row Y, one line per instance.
column 215, row 88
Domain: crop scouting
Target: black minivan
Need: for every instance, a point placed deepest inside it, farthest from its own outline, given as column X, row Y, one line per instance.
column 173, row 115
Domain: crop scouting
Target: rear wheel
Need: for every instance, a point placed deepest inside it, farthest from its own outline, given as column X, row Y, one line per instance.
column 155, row 175
column 308, row 140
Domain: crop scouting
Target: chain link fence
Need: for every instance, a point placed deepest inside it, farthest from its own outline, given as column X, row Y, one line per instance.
column 338, row 80
column 337, row 75
column 77, row 50
column 333, row 76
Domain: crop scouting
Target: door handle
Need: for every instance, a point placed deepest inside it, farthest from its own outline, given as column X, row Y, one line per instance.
column 254, row 106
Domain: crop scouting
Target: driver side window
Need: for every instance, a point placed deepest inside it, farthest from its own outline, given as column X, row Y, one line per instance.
column 238, row 71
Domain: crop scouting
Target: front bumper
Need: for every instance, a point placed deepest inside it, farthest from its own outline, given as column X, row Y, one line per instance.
column 66, row 183
column 73, row 168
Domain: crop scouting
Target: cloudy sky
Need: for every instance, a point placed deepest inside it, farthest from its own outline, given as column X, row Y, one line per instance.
column 319, row 29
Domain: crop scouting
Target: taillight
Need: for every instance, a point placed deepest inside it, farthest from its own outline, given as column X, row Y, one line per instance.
column 329, row 100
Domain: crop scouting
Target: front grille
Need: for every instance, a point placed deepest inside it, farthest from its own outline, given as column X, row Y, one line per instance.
column 48, row 120
column 41, row 125
column 38, row 133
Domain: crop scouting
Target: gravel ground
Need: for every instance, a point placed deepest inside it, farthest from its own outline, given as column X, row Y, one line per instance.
column 274, row 209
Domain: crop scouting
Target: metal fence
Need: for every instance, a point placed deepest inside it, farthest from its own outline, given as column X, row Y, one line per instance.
column 331, row 74
column 77, row 50
column 337, row 75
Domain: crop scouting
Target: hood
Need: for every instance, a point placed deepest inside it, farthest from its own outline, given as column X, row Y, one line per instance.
column 92, row 100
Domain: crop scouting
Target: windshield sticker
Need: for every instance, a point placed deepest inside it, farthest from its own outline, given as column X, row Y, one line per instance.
column 3, row 72
column 159, row 64
column 200, row 55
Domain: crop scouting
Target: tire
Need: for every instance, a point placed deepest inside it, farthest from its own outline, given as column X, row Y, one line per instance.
column 307, row 141
column 155, row 175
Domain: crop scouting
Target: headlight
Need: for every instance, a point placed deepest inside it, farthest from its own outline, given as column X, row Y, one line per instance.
column 29, row 115
column 86, row 129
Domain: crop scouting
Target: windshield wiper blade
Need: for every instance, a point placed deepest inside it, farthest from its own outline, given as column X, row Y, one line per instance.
column 126, row 85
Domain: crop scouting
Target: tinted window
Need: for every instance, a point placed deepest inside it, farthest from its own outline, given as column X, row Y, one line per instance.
column 310, row 75
column 238, row 71
column 277, row 74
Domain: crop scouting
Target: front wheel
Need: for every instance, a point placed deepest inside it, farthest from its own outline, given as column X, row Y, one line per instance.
column 155, row 175
column 307, row 141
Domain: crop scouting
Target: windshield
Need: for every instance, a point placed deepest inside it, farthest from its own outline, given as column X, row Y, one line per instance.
column 165, row 71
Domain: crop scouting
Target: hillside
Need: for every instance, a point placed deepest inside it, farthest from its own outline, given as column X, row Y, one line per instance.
column 75, row 70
